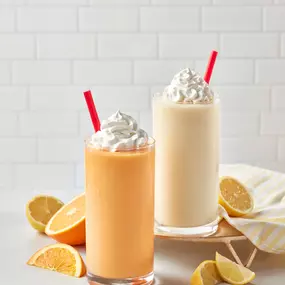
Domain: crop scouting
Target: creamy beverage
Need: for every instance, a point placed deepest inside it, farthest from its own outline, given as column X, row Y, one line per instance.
column 119, row 166
column 186, row 129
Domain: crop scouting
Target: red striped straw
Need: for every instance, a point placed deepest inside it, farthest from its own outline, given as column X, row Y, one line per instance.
column 210, row 66
column 92, row 110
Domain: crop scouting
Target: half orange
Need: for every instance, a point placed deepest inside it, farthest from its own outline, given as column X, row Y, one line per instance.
column 61, row 258
column 68, row 224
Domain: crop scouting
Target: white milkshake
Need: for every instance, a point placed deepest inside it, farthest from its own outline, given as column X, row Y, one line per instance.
column 186, row 129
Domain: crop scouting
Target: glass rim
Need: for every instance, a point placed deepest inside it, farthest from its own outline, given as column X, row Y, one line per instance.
column 150, row 144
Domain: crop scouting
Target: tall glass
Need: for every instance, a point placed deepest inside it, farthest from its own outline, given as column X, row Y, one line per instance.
column 187, row 166
column 120, row 215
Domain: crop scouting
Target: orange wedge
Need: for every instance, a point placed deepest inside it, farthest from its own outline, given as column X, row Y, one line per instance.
column 235, row 197
column 68, row 224
column 61, row 258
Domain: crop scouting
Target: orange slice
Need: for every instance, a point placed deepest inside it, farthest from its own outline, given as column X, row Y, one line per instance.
column 40, row 209
column 235, row 197
column 68, row 224
column 59, row 257
column 206, row 274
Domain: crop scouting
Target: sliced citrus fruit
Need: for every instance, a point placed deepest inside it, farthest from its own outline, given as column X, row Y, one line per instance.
column 68, row 224
column 206, row 274
column 235, row 197
column 40, row 209
column 59, row 257
column 233, row 273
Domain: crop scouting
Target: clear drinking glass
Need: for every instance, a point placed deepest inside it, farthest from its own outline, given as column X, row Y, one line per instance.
column 187, row 166
column 120, row 215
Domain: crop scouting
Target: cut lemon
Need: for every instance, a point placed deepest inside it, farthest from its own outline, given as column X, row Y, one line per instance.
column 59, row 257
column 68, row 224
column 234, row 197
column 206, row 274
column 232, row 272
column 40, row 209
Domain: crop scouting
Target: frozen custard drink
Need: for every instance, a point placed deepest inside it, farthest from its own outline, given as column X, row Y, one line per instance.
column 186, row 129
column 119, row 166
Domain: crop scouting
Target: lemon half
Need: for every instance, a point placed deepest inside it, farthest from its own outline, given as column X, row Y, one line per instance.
column 235, row 197
column 40, row 209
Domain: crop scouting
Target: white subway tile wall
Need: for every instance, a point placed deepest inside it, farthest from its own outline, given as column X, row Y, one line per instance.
column 46, row 19
column 231, row 19
column 125, row 51
column 7, row 19
column 169, row 19
column 38, row 72
column 66, row 46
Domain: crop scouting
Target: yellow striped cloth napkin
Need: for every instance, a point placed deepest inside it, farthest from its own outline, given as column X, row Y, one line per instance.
column 265, row 226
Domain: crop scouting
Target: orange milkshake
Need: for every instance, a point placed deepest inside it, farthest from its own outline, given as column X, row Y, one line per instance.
column 119, row 166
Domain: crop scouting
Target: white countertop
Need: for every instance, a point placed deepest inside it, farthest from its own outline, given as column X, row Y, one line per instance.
column 174, row 260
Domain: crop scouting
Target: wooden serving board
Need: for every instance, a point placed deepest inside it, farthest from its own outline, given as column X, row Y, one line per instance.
column 226, row 234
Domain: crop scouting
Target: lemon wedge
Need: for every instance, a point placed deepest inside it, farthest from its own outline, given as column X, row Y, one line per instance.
column 232, row 272
column 206, row 274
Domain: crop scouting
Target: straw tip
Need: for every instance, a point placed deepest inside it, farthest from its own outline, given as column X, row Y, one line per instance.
column 86, row 92
column 214, row 54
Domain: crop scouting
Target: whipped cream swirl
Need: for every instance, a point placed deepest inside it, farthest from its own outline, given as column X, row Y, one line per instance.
column 187, row 86
column 119, row 132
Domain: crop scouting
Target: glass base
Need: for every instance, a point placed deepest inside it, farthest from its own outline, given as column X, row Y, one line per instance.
column 142, row 280
column 201, row 231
